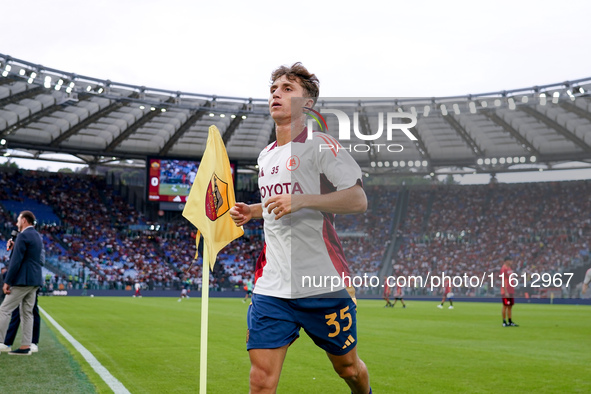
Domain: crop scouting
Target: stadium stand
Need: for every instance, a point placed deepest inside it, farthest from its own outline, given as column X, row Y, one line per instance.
column 96, row 234
column 96, row 237
column 544, row 227
column 48, row 110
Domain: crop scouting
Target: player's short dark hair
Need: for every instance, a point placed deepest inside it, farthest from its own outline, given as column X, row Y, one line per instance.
column 507, row 258
column 28, row 216
column 297, row 72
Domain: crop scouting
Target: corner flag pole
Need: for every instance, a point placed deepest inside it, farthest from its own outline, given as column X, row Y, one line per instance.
column 210, row 198
column 204, row 323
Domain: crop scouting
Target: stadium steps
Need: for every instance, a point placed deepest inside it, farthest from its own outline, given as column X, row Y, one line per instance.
column 400, row 212
column 396, row 240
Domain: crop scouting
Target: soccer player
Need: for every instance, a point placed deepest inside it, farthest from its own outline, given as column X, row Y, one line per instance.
column 248, row 289
column 185, row 290
column 302, row 187
column 137, row 287
column 399, row 296
column 507, row 292
column 447, row 295
column 387, row 292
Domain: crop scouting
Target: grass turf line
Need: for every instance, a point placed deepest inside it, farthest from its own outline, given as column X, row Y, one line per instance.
column 51, row 370
column 152, row 346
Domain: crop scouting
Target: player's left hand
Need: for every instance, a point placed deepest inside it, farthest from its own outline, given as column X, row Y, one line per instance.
column 6, row 288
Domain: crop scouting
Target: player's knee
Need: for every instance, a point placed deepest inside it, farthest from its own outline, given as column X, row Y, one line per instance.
column 257, row 376
column 348, row 370
column 261, row 379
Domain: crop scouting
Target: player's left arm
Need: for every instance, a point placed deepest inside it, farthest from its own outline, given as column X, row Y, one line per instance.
column 346, row 201
column 341, row 171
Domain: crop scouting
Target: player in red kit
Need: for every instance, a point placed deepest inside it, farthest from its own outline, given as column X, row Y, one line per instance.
column 447, row 295
column 507, row 292
column 387, row 292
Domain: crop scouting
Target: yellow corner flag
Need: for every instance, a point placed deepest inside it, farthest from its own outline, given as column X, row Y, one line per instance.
column 211, row 197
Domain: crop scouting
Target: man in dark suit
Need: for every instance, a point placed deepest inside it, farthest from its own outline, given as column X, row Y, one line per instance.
column 22, row 281
column 15, row 321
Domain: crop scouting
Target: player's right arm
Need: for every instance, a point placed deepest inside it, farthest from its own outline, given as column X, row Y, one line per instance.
column 242, row 213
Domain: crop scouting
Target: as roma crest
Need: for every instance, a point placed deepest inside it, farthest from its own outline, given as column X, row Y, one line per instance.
column 216, row 198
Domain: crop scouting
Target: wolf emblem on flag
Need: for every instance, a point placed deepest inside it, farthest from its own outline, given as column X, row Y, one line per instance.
column 216, row 198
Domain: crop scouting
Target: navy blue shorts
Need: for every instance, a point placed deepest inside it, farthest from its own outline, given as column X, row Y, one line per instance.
column 276, row 322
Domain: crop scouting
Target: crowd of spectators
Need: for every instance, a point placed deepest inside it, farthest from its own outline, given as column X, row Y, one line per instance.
column 543, row 227
column 104, row 242
column 365, row 237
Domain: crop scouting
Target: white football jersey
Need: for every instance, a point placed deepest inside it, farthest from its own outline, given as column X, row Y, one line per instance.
column 303, row 255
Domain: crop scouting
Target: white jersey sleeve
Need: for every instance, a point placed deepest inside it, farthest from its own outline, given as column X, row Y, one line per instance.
column 340, row 169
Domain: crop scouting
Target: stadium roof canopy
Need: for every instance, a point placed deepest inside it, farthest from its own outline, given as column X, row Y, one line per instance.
column 44, row 110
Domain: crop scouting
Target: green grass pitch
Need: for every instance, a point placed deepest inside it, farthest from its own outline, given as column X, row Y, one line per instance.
column 152, row 346
column 174, row 189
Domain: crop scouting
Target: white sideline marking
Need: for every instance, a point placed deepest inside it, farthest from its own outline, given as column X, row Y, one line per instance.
column 110, row 380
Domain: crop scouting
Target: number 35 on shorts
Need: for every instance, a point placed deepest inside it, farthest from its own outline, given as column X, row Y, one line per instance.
column 344, row 318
